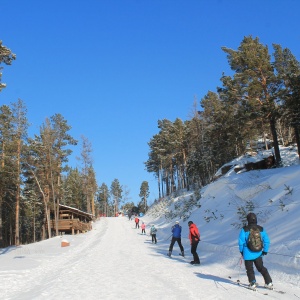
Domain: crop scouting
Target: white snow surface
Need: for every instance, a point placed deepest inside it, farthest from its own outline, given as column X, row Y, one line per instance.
column 115, row 261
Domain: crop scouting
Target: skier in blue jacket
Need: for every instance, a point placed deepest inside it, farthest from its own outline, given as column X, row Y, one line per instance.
column 176, row 237
column 254, row 256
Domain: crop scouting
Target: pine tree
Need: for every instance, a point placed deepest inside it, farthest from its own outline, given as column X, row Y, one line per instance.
column 6, row 169
column 103, row 197
column 288, row 70
column 86, row 160
column 256, row 82
column 73, row 189
column 154, row 162
column 144, row 194
column 6, row 56
column 116, row 193
column 20, row 135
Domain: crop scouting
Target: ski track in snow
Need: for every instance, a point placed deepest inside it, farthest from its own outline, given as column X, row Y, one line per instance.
column 114, row 261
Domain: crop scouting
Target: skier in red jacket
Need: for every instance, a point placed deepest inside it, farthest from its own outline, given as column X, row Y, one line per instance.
column 137, row 222
column 194, row 237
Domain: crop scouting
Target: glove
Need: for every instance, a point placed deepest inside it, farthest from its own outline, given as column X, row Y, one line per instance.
column 264, row 253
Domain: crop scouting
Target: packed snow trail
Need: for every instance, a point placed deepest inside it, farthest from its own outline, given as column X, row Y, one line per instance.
column 114, row 261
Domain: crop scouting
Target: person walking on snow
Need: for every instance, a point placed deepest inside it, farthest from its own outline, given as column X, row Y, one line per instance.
column 143, row 226
column 176, row 237
column 153, row 231
column 255, row 255
column 137, row 221
column 194, row 237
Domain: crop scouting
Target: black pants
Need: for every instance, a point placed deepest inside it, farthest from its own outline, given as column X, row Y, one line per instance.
column 137, row 225
column 260, row 268
column 154, row 238
column 178, row 240
column 194, row 246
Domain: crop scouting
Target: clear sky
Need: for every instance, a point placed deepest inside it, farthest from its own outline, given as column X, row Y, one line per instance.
column 113, row 68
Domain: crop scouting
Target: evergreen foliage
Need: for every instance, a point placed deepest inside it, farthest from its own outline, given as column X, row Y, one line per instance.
column 116, row 194
column 144, row 194
column 6, row 57
column 260, row 101
column 103, row 199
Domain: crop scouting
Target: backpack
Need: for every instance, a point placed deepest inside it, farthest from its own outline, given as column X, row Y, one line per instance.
column 254, row 242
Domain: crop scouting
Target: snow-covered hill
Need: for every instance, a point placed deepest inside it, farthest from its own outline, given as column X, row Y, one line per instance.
column 114, row 261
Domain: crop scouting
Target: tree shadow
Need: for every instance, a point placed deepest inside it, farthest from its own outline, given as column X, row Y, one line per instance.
column 7, row 250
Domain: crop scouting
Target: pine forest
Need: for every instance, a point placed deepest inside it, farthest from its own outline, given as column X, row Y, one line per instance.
column 255, row 107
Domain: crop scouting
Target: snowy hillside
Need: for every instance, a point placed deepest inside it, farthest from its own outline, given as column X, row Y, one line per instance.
column 272, row 194
column 115, row 261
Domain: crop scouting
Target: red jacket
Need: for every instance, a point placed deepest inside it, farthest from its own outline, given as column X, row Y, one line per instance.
column 194, row 234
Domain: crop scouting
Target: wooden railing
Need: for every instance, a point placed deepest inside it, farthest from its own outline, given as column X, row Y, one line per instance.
column 71, row 224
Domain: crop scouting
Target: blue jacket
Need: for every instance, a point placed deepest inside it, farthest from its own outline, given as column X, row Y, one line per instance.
column 247, row 253
column 176, row 230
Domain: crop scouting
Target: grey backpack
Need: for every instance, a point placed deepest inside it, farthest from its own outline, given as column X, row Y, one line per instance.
column 254, row 242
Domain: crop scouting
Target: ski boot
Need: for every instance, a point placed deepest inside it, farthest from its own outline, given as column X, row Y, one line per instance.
column 269, row 286
column 252, row 286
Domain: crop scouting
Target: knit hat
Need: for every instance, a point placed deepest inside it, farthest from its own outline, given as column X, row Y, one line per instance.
column 251, row 218
column 190, row 223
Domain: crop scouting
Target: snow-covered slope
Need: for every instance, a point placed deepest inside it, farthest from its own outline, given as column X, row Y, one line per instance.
column 114, row 261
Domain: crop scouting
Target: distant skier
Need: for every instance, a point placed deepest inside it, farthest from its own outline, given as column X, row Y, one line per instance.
column 153, row 231
column 129, row 216
column 143, row 226
column 137, row 222
column 253, row 245
column 194, row 237
column 176, row 237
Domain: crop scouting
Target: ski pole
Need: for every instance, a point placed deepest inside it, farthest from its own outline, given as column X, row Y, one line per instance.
column 241, row 261
column 235, row 266
column 169, row 236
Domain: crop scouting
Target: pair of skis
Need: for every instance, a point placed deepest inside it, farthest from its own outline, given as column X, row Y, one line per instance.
column 260, row 289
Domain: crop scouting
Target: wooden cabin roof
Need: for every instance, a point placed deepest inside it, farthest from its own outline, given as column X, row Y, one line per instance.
column 65, row 208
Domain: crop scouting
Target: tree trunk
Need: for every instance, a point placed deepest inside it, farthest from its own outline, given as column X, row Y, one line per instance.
column 1, row 225
column 158, row 184
column 93, row 204
column 275, row 141
column 297, row 139
column 17, row 221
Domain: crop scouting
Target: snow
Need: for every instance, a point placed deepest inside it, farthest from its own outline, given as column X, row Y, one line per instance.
column 115, row 261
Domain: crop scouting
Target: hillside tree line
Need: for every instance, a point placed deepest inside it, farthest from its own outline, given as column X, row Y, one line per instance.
column 35, row 175
column 259, row 101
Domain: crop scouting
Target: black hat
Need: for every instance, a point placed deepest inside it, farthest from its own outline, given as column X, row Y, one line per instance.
column 190, row 223
column 251, row 218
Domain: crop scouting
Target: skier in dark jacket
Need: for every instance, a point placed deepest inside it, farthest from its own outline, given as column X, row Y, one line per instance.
column 176, row 237
column 194, row 237
column 254, row 257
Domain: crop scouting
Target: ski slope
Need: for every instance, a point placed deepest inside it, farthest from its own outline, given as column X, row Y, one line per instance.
column 115, row 261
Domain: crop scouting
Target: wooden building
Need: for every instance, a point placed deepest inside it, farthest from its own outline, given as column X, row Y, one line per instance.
column 72, row 220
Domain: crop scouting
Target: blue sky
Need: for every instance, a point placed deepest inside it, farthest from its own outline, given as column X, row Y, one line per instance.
column 113, row 68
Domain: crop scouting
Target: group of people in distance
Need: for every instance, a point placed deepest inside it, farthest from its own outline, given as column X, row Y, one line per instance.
column 153, row 230
column 251, row 255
